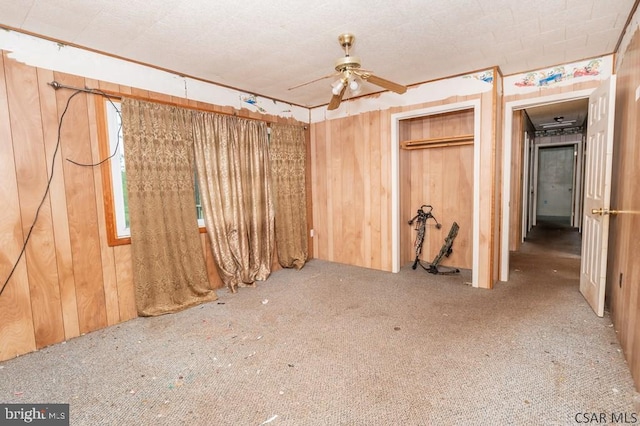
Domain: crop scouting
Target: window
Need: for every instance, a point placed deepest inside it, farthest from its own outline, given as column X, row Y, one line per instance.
column 115, row 185
column 118, row 171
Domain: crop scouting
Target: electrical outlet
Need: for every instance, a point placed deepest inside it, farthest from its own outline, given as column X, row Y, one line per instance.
column 312, row 233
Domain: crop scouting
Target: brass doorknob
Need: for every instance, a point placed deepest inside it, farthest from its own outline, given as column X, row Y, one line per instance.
column 601, row 211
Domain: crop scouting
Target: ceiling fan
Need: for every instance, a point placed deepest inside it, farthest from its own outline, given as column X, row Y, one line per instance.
column 351, row 76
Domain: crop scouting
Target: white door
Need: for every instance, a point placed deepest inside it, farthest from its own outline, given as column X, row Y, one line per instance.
column 597, row 191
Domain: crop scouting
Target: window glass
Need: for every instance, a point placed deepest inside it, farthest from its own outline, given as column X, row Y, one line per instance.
column 118, row 170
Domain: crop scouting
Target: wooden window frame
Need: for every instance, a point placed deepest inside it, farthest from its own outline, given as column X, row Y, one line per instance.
column 105, row 168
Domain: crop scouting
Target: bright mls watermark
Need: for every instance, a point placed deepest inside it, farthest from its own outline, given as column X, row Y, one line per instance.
column 34, row 414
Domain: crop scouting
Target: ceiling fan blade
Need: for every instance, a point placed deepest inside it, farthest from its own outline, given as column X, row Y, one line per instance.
column 336, row 99
column 387, row 84
column 313, row 81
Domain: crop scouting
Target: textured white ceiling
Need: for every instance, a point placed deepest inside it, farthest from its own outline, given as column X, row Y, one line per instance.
column 264, row 46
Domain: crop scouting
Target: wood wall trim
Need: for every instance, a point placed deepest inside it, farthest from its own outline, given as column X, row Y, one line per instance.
column 105, row 169
column 309, row 192
column 496, row 174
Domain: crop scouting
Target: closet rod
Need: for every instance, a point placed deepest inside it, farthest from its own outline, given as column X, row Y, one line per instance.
column 438, row 142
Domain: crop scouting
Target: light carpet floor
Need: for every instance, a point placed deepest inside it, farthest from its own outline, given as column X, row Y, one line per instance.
column 341, row 345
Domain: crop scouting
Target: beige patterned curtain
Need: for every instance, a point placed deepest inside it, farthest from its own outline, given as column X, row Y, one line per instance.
column 169, row 271
column 288, row 170
column 232, row 158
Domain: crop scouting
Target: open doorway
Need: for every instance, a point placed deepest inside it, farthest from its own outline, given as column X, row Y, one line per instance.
column 543, row 124
column 554, row 136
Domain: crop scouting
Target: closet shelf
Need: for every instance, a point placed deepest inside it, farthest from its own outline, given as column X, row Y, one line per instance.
column 437, row 142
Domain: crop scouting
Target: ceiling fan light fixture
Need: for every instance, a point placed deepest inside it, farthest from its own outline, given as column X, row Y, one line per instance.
column 337, row 86
column 355, row 85
column 352, row 77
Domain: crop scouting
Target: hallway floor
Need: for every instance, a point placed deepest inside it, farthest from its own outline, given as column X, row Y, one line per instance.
column 553, row 238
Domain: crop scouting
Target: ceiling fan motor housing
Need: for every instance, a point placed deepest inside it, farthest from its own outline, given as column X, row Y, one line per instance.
column 347, row 62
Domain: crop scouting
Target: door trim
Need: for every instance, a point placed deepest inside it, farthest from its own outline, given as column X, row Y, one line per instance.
column 526, row 186
column 506, row 163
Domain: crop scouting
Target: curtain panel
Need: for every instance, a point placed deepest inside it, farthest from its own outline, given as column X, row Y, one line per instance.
column 232, row 158
column 169, row 270
column 287, row 150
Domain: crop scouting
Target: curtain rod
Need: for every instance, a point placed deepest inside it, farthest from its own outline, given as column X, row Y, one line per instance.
column 56, row 85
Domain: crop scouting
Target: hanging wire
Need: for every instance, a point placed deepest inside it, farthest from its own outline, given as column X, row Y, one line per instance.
column 77, row 91
column 115, row 150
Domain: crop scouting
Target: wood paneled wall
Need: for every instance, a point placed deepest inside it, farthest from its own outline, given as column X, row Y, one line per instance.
column 17, row 336
column 351, row 168
column 490, row 172
column 351, row 190
column 69, row 281
column 623, row 269
column 60, row 286
column 517, row 176
column 521, row 124
column 443, row 178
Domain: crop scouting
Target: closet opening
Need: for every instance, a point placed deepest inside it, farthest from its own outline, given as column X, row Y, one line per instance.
column 435, row 156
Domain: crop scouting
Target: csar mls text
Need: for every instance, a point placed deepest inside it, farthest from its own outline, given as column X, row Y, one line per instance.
column 606, row 418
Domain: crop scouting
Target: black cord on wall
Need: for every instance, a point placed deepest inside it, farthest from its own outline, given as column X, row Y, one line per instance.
column 115, row 150
column 53, row 162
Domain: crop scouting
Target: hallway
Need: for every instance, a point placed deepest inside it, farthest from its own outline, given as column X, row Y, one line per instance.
column 553, row 238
